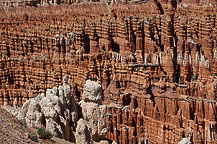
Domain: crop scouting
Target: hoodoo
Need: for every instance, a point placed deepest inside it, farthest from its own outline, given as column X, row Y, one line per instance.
column 122, row 72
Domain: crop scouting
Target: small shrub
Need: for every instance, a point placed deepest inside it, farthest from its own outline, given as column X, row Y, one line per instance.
column 33, row 137
column 15, row 126
column 44, row 134
column 21, row 127
column 8, row 120
column 23, row 123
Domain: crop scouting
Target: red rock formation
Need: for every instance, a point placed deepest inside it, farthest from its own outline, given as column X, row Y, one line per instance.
column 156, row 62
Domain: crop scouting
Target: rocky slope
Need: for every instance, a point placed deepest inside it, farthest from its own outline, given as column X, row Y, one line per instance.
column 12, row 130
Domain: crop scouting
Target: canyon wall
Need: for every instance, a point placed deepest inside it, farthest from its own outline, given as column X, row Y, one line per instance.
column 156, row 62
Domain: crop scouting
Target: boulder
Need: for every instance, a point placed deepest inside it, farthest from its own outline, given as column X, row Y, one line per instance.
column 184, row 141
column 92, row 92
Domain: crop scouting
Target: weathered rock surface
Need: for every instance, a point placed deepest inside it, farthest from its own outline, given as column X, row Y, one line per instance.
column 93, row 122
column 92, row 92
column 56, row 111
column 185, row 141
column 82, row 133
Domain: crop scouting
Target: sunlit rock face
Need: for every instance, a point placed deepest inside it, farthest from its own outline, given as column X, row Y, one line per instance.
column 155, row 63
column 56, row 111
column 93, row 122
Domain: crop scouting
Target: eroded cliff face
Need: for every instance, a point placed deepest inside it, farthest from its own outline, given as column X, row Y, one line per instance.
column 156, row 62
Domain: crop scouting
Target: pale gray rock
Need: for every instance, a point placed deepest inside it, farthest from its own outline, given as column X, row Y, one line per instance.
column 82, row 134
column 65, row 80
column 54, row 128
column 55, row 91
column 53, row 98
column 15, row 103
column 101, row 121
column 5, row 103
column 94, row 116
column 93, row 111
column 103, row 142
column 56, row 111
column 33, row 115
column 39, row 97
column 47, row 108
column 25, row 107
column 184, row 141
column 92, row 92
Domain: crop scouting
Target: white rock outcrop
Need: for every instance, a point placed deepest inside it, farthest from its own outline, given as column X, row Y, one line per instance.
column 93, row 113
column 56, row 111
column 185, row 141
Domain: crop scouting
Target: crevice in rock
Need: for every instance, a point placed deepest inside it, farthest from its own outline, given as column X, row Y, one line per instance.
column 159, row 6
